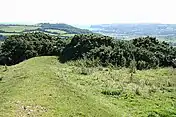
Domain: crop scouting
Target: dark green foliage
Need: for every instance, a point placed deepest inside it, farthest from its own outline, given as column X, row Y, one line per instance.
column 123, row 53
column 17, row 48
column 147, row 52
column 148, row 57
column 141, row 65
column 84, row 46
column 174, row 63
column 112, row 93
column 154, row 52
column 60, row 45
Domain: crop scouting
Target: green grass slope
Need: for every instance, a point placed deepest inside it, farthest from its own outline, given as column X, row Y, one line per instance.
column 39, row 87
column 44, row 87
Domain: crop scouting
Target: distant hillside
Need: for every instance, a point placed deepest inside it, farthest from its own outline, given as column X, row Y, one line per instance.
column 64, row 27
column 137, row 29
column 63, row 30
column 165, row 32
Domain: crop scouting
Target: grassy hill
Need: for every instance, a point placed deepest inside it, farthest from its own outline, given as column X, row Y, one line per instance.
column 44, row 87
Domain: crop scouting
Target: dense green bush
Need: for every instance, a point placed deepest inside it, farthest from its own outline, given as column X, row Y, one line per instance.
column 17, row 48
column 141, row 65
column 158, row 52
column 148, row 52
column 82, row 45
column 174, row 63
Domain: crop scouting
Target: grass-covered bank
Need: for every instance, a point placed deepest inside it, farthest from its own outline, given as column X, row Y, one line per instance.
column 42, row 86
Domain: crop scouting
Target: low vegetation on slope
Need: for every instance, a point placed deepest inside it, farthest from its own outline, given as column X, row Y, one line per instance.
column 97, row 76
column 18, row 48
column 146, row 52
column 44, row 87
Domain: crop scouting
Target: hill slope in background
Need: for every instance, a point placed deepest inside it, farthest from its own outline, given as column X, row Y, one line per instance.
column 64, row 30
column 165, row 32
column 64, row 27
column 42, row 86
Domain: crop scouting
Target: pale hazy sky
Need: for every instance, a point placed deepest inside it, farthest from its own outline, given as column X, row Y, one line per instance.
column 88, row 11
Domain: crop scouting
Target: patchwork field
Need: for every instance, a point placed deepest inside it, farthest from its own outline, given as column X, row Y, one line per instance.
column 63, row 30
column 18, row 29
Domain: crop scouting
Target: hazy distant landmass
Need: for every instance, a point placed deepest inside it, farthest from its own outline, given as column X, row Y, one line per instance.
column 136, row 29
column 165, row 32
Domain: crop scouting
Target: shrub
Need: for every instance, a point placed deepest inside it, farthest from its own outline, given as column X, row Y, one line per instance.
column 17, row 48
column 112, row 93
column 137, row 91
column 174, row 63
column 147, row 51
column 85, row 71
column 133, row 66
column 141, row 65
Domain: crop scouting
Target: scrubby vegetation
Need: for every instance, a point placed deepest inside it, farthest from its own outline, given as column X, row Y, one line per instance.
column 42, row 86
column 100, row 77
column 147, row 52
column 18, row 48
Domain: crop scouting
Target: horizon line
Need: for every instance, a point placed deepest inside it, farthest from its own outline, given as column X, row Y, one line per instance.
column 27, row 23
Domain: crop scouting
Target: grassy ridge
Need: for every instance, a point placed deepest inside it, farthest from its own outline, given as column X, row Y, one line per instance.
column 42, row 86
column 38, row 87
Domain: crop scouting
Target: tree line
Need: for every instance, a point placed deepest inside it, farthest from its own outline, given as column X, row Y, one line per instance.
column 147, row 52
